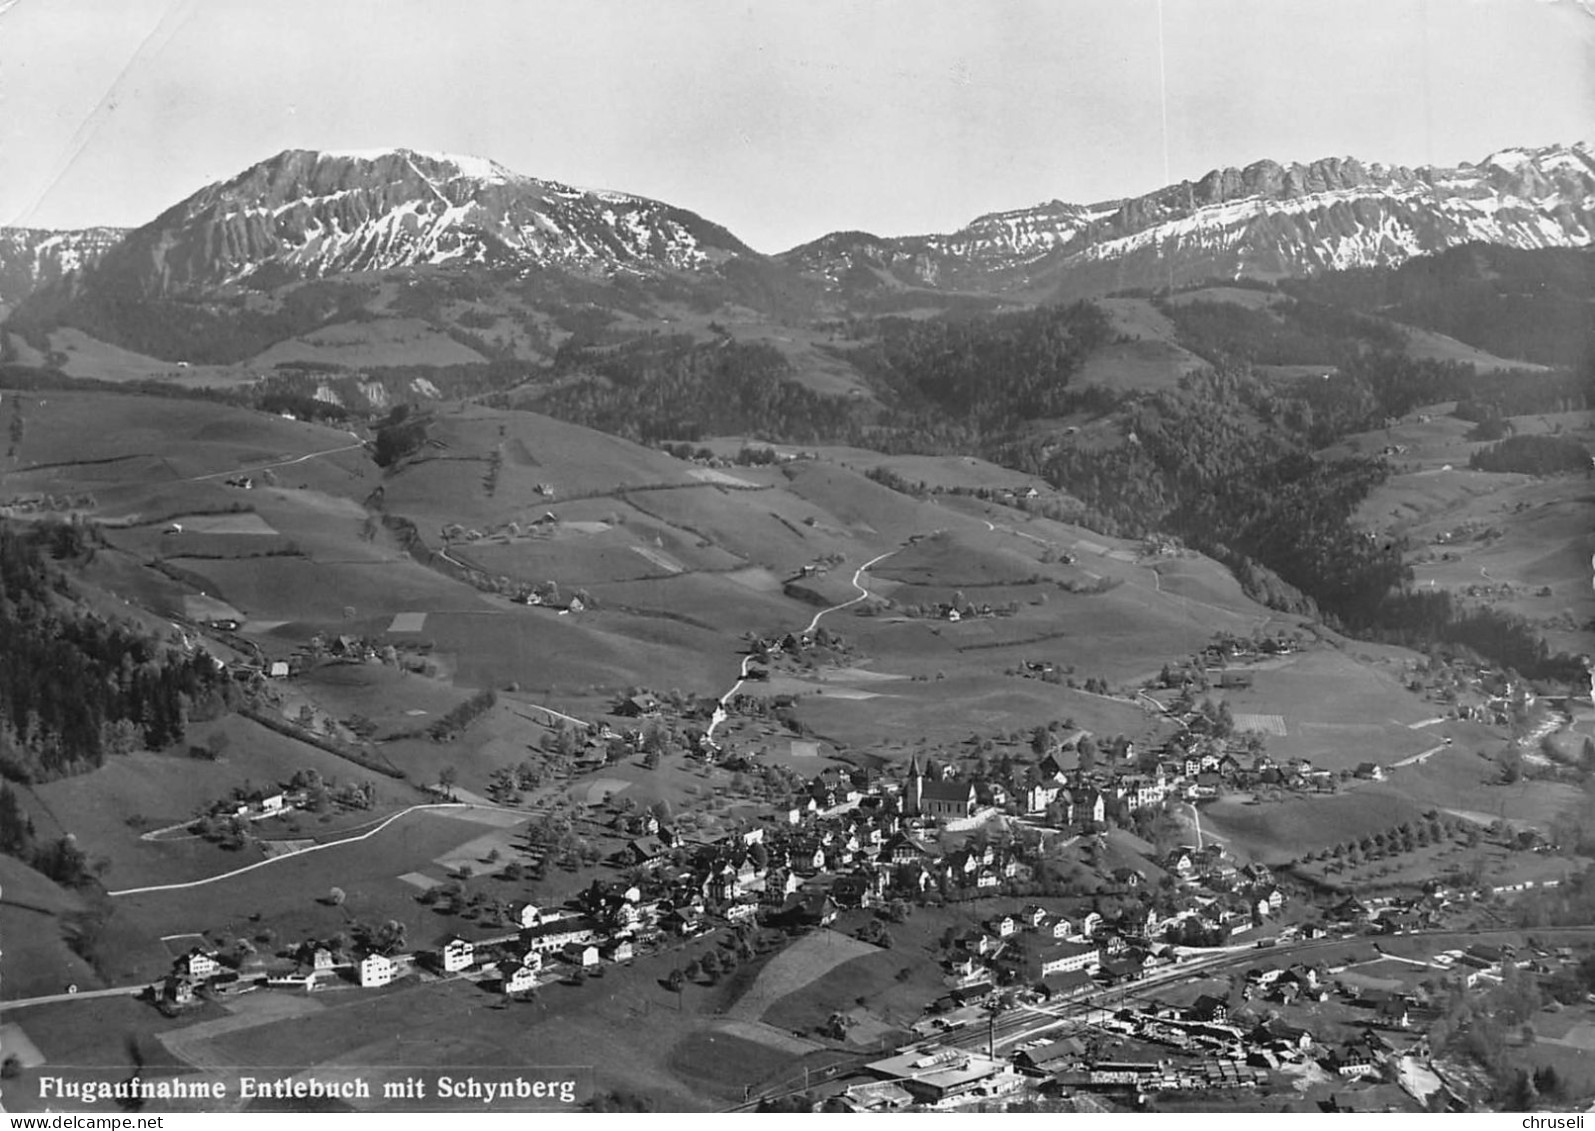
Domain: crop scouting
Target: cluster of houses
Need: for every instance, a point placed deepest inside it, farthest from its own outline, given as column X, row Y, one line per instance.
column 258, row 803
column 548, row 944
column 1215, row 897
column 1068, row 954
column 199, row 970
column 1065, row 1070
column 1074, row 952
column 1155, row 1048
column 1161, row 1048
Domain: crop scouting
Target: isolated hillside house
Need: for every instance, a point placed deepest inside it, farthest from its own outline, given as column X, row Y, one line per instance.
column 1370, row 771
column 638, row 707
column 458, row 954
column 940, row 800
column 377, row 970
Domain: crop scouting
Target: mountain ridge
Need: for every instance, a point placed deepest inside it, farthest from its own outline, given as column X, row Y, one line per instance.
column 305, row 215
column 1265, row 220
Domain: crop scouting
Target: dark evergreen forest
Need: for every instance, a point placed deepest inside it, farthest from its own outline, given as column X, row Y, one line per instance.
column 75, row 687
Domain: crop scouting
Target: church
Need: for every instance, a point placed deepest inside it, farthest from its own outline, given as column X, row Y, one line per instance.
column 928, row 795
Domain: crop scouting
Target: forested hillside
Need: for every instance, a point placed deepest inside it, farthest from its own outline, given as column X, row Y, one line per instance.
column 1533, row 305
column 75, row 687
column 986, row 374
column 1287, row 332
column 678, row 388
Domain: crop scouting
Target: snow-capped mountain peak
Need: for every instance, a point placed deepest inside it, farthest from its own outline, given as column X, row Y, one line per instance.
column 1266, row 220
column 314, row 213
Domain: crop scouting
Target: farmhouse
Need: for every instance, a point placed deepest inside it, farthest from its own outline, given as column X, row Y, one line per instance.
column 197, row 963
column 458, row 954
column 638, row 707
column 305, row 980
column 377, row 970
column 515, row 978
column 551, row 933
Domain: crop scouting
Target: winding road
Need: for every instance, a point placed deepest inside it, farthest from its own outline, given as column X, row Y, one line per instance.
column 742, row 674
column 373, row 831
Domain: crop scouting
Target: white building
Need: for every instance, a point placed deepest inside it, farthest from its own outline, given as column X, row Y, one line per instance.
column 377, row 970
column 458, row 954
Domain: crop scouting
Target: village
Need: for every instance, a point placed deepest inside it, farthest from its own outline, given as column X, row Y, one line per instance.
column 1080, row 857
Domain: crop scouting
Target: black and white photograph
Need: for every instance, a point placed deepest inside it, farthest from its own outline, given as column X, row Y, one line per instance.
column 798, row 556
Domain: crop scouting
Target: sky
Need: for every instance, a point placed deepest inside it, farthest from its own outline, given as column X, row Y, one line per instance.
column 780, row 119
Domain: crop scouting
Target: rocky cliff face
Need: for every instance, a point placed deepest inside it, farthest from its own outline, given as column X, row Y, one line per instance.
column 306, row 214
column 34, row 257
column 1266, row 220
